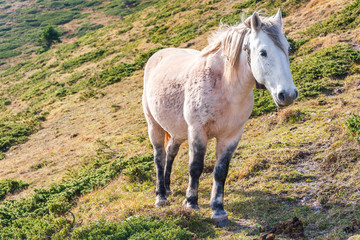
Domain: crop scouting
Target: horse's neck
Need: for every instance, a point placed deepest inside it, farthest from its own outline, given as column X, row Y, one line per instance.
column 242, row 83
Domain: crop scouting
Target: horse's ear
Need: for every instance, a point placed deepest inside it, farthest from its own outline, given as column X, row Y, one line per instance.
column 278, row 18
column 255, row 21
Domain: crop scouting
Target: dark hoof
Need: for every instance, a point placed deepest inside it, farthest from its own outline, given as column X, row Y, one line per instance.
column 161, row 202
column 191, row 206
column 221, row 221
column 168, row 193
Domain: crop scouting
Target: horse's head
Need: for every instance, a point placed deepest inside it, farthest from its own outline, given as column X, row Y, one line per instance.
column 268, row 52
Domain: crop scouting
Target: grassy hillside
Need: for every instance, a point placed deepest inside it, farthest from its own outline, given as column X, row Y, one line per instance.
column 75, row 157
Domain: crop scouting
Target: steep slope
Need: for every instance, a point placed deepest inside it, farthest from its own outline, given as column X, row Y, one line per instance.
column 79, row 106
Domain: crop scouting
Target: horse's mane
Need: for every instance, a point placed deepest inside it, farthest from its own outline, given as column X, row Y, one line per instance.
column 229, row 39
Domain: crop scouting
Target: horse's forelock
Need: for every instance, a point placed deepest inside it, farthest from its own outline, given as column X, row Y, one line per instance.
column 230, row 39
column 274, row 32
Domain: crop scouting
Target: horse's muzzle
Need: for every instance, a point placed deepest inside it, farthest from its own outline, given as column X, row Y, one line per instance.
column 285, row 98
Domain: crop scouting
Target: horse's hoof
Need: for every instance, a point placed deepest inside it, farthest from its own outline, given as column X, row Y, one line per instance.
column 161, row 202
column 194, row 207
column 168, row 193
column 221, row 221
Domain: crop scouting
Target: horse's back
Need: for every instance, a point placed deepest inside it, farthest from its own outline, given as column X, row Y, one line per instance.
column 164, row 86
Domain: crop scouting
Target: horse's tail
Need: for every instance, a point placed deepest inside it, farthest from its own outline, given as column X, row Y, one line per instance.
column 166, row 139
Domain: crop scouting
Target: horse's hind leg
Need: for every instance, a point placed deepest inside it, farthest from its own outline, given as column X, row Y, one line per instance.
column 224, row 152
column 172, row 149
column 156, row 135
column 197, row 145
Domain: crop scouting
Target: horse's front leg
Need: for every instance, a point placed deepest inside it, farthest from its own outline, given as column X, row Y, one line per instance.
column 197, row 146
column 224, row 151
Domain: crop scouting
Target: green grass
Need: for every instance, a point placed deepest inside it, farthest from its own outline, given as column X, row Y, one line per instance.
column 115, row 74
column 43, row 213
column 345, row 19
column 322, row 71
column 11, row 186
column 85, row 28
column 353, row 124
column 76, row 62
column 137, row 227
column 17, row 129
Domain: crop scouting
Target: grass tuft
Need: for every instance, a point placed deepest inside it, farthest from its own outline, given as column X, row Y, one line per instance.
column 11, row 186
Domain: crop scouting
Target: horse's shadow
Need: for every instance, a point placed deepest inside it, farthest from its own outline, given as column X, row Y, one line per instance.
column 254, row 211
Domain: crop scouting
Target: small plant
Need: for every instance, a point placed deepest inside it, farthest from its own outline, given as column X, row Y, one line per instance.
column 11, row 186
column 138, row 168
column 38, row 166
column 353, row 124
column 48, row 37
column 291, row 116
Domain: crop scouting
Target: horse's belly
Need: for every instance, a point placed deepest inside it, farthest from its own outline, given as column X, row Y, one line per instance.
column 166, row 106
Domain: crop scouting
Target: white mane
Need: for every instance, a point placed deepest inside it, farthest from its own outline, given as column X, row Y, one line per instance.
column 229, row 39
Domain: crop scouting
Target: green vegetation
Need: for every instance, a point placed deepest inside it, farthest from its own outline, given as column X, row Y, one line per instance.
column 353, row 123
column 44, row 213
column 137, row 227
column 48, row 37
column 115, row 74
column 85, row 28
column 29, row 21
column 16, row 130
column 11, row 186
column 121, row 7
column 347, row 18
column 298, row 161
column 263, row 102
column 87, row 57
column 246, row 4
column 321, row 71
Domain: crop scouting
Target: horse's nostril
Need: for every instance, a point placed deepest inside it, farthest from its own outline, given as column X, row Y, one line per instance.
column 296, row 93
column 281, row 96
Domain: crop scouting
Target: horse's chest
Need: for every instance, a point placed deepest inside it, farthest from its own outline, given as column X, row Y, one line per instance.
column 228, row 119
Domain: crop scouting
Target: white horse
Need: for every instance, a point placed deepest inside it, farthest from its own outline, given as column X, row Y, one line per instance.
column 196, row 95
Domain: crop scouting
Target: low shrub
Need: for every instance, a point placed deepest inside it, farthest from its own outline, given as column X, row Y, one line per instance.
column 137, row 227
column 115, row 74
column 85, row 28
column 12, row 133
column 291, row 116
column 11, row 186
column 353, row 124
column 312, row 74
column 43, row 214
column 87, row 57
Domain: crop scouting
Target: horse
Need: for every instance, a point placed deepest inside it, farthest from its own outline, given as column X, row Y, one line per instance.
column 199, row 95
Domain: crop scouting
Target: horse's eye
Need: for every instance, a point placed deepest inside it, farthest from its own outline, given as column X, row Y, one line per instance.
column 263, row 53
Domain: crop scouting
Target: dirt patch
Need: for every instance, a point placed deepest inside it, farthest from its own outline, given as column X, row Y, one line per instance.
column 354, row 227
column 292, row 228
